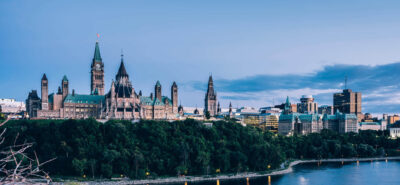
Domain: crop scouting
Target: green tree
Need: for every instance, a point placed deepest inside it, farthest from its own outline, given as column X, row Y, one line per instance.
column 208, row 116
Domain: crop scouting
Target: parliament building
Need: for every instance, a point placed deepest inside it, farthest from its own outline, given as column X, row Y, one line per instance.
column 121, row 101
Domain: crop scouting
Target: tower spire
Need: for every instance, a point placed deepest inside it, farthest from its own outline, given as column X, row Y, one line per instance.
column 122, row 71
column 345, row 82
column 97, row 56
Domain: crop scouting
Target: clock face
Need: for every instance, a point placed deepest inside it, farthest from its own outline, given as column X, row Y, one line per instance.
column 98, row 67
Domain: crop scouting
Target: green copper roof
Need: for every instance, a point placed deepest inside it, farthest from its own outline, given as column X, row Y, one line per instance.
column 65, row 79
column 158, row 84
column 97, row 56
column 81, row 98
column 302, row 117
column 51, row 97
column 369, row 123
column 96, row 92
column 148, row 101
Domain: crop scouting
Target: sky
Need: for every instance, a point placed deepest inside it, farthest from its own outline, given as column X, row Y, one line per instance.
column 258, row 52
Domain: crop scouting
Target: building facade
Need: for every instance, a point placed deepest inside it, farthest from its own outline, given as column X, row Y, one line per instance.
column 11, row 106
column 291, row 123
column 348, row 102
column 325, row 109
column 307, row 105
column 121, row 102
column 210, row 100
column 298, row 123
column 340, row 122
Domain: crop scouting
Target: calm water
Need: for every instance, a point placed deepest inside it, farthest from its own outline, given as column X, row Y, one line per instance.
column 381, row 173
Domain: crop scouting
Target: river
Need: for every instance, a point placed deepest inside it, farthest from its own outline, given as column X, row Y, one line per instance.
column 377, row 172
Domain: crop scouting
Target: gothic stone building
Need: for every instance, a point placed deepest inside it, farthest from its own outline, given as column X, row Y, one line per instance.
column 121, row 102
column 210, row 100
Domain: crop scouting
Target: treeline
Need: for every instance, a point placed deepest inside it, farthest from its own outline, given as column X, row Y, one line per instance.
column 160, row 148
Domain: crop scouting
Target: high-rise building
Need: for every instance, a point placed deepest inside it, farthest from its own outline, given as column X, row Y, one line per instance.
column 348, row 102
column 210, row 101
column 393, row 119
column 307, row 105
column 325, row 109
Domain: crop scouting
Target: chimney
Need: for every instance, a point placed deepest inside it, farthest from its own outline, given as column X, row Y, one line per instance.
column 73, row 92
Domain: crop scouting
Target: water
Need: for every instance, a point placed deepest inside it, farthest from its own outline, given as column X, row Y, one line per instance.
column 377, row 172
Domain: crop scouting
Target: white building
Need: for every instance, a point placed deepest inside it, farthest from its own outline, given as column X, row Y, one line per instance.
column 11, row 106
column 394, row 132
column 381, row 125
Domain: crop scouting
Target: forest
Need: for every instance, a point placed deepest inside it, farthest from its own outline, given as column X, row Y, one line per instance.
column 151, row 149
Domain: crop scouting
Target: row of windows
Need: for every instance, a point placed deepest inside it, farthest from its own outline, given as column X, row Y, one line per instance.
column 98, row 77
column 80, row 110
column 81, row 106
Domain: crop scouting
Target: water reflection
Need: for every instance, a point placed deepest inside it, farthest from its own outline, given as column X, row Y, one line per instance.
column 356, row 173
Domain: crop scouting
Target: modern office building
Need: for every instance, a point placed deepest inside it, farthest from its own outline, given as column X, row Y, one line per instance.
column 348, row 102
column 307, row 105
column 325, row 109
column 393, row 119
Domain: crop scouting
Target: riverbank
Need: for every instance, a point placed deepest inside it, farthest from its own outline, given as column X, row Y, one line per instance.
column 182, row 180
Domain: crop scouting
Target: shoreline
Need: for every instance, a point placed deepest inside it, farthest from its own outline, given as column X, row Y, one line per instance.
column 182, row 180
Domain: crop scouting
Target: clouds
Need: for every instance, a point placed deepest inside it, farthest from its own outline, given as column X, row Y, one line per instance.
column 379, row 85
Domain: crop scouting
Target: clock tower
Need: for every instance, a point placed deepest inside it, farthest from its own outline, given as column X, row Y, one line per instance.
column 97, row 73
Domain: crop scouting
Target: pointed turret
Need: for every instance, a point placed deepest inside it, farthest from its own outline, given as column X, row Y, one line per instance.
column 210, row 104
column 174, row 97
column 97, row 72
column 97, row 56
column 210, row 85
column 122, row 71
column 287, row 108
column 112, row 91
column 45, row 93
column 65, row 79
column 230, row 109
column 44, row 77
column 65, row 86
column 157, row 91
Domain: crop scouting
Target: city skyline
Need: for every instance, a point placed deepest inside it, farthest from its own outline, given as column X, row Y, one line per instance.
column 248, row 65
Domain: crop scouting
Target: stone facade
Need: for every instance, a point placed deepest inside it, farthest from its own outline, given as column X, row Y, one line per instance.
column 121, row 102
column 298, row 123
column 341, row 122
column 97, row 73
column 210, row 101
column 33, row 103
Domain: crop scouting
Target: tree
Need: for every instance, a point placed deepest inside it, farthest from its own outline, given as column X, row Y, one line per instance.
column 16, row 165
column 208, row 115
column 138, row 158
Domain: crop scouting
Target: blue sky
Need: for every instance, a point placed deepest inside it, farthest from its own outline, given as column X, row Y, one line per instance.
column 257, row 51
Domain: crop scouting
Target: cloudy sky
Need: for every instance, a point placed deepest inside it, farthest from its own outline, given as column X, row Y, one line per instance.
column 258, row 52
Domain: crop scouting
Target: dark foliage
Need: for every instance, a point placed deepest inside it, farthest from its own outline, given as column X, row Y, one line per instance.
column 160, row 148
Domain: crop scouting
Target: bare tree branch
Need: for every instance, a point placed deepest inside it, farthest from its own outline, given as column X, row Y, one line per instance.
column 16, row 165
